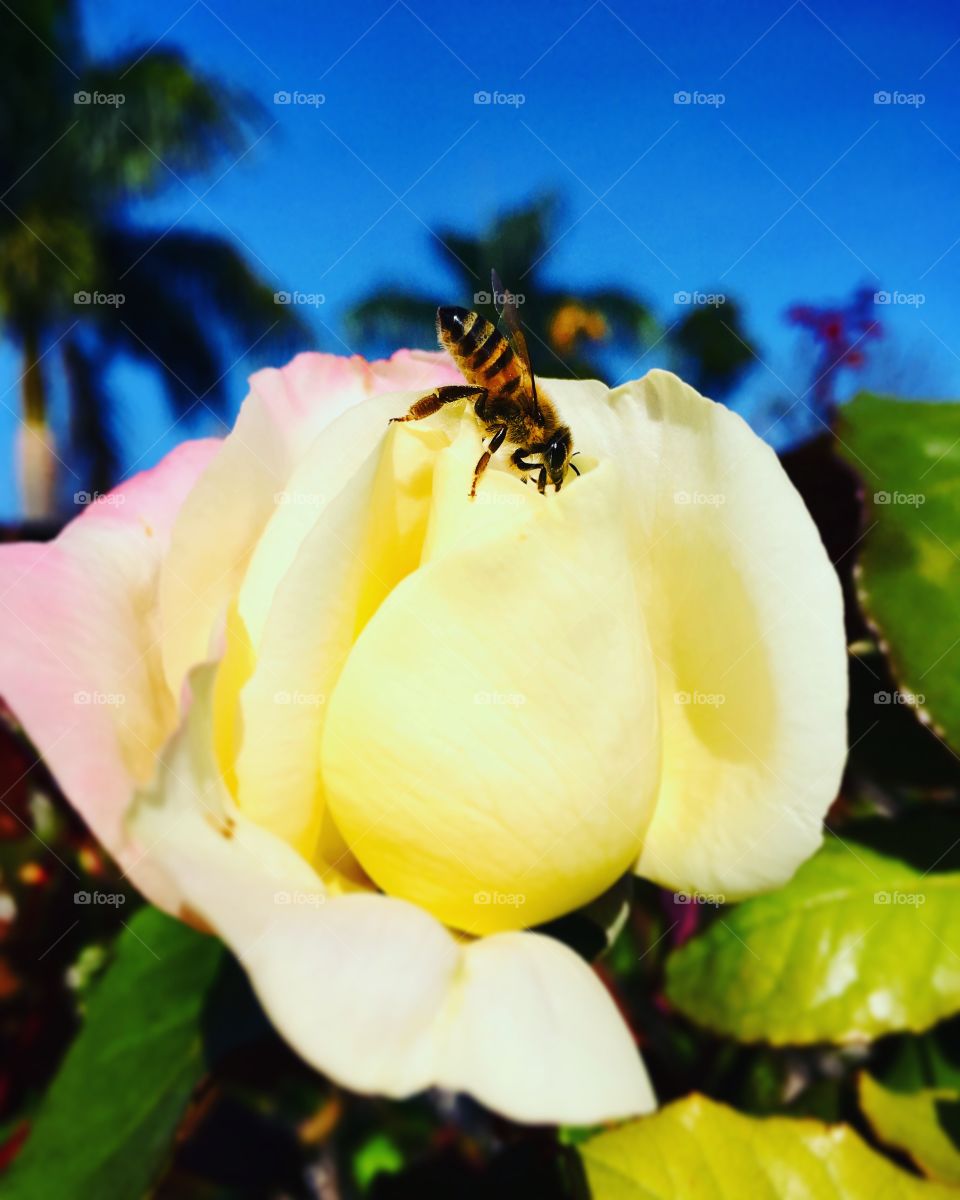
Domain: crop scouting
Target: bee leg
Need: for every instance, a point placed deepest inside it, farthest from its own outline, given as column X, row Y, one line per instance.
column 495, row 443
column 517, row 458
column 427, row 405
column 542, row 481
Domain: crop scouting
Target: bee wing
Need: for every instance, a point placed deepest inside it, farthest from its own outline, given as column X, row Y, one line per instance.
column 508, row 313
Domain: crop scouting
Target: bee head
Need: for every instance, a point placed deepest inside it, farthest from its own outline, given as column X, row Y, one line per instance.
column 557, row 455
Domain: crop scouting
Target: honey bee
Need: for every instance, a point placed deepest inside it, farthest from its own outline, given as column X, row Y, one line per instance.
column 501, row 384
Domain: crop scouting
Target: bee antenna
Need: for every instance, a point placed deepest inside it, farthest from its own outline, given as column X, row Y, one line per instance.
column 573, row 467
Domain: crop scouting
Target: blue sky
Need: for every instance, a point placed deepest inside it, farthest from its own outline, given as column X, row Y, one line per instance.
column 798, row 186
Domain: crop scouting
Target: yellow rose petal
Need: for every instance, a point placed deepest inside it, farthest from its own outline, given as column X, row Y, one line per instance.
column 370, row 990
column 491, row 749
column 745, row 617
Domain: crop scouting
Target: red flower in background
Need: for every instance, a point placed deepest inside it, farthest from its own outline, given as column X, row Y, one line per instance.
column 840, row 333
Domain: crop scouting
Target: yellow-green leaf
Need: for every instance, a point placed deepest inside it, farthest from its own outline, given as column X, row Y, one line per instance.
column 908, row 454
column 910, row 1121
column 696, row 1149
column 855, row 946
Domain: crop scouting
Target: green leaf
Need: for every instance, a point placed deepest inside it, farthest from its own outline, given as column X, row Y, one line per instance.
column 855, row 946
column 379, row 1155
column 105, row 1126
column 696, row 1149
column 929, row 1061
column 911, row 1122
column 908, row 454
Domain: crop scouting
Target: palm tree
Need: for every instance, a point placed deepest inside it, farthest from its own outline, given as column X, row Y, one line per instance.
column 564, row 330
column 710, row 348
column 569, row 333
column 80, row 282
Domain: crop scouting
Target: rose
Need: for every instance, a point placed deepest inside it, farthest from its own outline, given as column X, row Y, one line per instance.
column 202, row 599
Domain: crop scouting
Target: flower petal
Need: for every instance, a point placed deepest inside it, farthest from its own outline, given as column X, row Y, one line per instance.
column 351, row 525
column 490, row 750
column 745, row 617
column 536, row 1036
column 78, row 660
column 372, row 990
column 225, row 514
column 299, row 604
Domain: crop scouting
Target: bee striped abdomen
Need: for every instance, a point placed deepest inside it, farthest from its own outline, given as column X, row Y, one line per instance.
column 482, row 353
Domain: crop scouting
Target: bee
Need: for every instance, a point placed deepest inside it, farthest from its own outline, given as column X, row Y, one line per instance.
column 502, row 387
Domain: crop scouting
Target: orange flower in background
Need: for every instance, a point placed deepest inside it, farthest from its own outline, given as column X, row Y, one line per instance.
column 571, row 322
